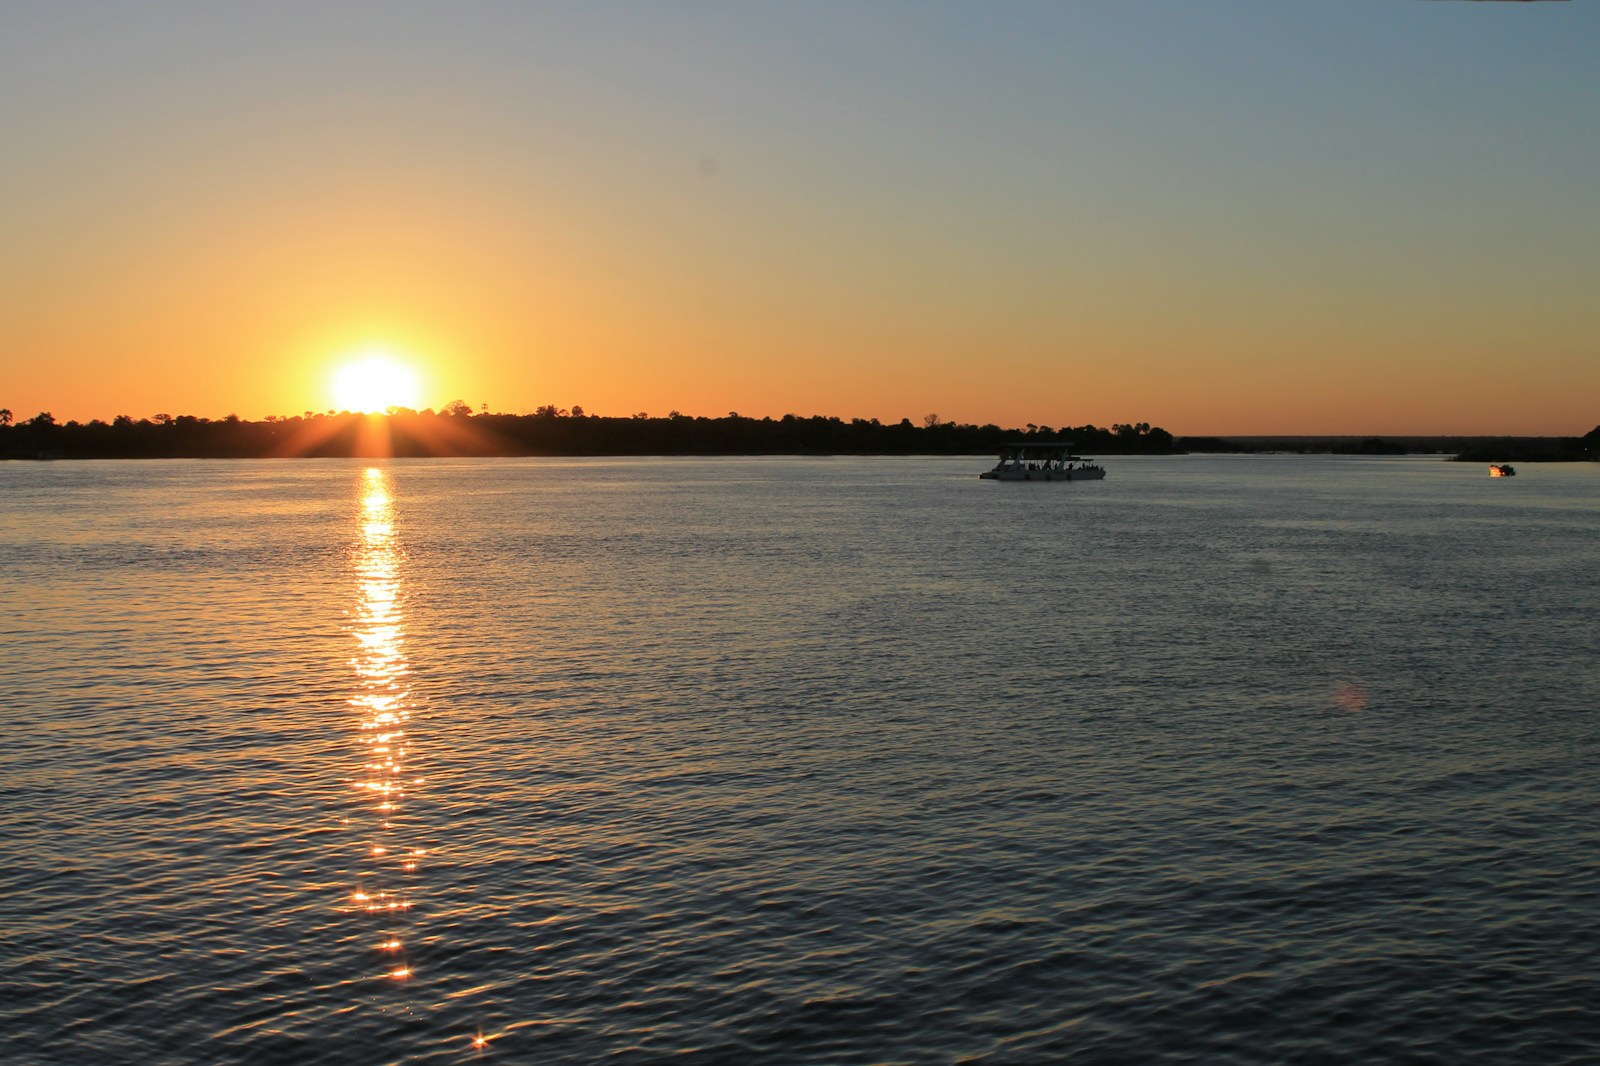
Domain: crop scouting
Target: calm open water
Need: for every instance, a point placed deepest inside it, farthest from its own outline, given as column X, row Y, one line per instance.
column 1223, row 760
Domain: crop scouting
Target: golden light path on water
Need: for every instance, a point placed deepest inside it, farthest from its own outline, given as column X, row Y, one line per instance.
column 382, row 701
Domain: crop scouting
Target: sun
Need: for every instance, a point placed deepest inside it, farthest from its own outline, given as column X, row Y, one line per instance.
column 374, row 382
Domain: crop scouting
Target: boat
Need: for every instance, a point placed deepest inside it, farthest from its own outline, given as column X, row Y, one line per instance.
column 1502, row 470
column 1029, row 461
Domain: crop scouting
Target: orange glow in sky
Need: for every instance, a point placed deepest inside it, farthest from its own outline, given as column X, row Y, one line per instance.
column 1340, row 219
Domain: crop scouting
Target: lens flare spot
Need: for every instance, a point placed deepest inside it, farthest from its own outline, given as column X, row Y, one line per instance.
column 1352, row 697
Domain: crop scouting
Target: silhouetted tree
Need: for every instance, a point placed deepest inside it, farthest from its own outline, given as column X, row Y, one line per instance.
column 547, row 431
column 1588, row 445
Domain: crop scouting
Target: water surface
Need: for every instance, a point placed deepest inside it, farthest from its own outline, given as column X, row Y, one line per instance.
column 1238, row 760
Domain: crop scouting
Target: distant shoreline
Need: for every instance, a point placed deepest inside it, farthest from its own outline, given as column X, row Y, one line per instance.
column 552, row 432
column 547, row 432
column 1460, row 448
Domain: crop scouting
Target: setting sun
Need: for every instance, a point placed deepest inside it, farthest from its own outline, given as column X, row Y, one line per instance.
column 374, row 382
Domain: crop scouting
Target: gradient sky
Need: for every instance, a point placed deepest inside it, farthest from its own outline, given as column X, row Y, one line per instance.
column 1348, row 216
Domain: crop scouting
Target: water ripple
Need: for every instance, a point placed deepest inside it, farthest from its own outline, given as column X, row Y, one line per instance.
column 785, row 761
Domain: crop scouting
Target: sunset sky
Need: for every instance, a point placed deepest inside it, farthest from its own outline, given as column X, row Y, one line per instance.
column 1216, row 216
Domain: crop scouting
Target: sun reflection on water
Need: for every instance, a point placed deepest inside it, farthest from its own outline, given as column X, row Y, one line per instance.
column 382, row 702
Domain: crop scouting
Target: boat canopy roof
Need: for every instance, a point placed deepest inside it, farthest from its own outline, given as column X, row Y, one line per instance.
column 1027, row 449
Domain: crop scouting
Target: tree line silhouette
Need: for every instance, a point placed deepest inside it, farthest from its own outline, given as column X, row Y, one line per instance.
column 456, row 430
column 549, row 430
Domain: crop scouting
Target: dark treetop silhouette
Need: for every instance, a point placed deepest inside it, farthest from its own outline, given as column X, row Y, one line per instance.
column 548, row 431
column 551, row 430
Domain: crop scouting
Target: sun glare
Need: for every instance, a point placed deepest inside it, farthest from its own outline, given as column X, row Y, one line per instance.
column 374, row 382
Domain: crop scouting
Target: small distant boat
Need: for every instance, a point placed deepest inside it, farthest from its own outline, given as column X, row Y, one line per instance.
column 1042, row 462
column 1502, row 470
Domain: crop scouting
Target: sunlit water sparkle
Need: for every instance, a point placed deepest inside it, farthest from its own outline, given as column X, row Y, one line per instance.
column 1239, row 760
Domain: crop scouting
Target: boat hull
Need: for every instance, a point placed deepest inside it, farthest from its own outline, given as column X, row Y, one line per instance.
column 1094, row 474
